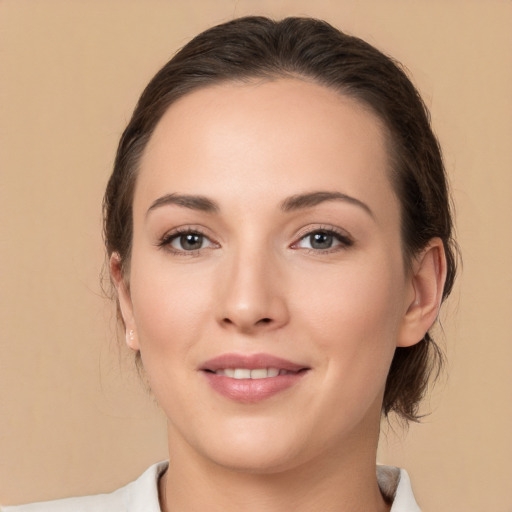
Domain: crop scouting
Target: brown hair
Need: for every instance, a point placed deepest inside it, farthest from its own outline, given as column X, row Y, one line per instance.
column 257, row 47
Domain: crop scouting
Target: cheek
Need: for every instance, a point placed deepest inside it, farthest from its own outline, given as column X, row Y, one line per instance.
column 358, row 297
column 355, row 316
column 170, row 307
column 171, row 314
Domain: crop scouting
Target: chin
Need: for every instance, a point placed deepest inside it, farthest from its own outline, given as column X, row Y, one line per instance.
column 258, row 461
column 256, row 451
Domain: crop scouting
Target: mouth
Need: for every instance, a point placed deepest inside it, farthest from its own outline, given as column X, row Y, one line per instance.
column 256, row 373
column 251, row 378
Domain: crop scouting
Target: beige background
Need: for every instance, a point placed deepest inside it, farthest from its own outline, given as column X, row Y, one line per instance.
column 74, row 419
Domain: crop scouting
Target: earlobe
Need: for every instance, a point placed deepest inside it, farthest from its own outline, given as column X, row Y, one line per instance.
column 428, row 275
column 131, row 340
column 124, row 301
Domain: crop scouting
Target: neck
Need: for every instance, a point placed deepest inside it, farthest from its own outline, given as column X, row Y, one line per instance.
column 340, row 481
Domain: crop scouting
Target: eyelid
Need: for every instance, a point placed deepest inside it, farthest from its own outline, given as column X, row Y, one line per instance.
column 164, row 242
column 343, row 236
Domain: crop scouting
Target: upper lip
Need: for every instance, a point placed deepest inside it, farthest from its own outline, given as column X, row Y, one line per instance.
column 251, row 362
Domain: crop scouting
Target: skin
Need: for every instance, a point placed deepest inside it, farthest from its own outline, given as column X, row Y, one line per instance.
column 259, row 284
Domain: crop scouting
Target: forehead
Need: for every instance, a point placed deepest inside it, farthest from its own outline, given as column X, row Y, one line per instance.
column 272, row 137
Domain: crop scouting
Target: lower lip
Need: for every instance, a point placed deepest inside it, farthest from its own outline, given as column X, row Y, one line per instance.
column 252, row 390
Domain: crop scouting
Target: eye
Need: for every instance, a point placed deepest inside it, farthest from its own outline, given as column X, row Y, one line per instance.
column 323, row 240
column 189, row 242
column 186, row 242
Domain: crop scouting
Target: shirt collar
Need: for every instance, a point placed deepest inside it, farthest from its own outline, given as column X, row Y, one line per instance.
column 394, row 483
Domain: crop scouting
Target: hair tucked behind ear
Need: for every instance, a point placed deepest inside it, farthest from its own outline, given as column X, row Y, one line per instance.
column 259, row 48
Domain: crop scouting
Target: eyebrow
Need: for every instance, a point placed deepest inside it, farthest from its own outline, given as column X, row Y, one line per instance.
column 292, row 203
column 200, row 203
column 308, row 200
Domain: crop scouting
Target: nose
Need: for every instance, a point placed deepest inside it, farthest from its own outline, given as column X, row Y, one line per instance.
column 253, row 294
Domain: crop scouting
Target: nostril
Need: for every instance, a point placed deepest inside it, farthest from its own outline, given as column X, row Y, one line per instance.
column 246, row 324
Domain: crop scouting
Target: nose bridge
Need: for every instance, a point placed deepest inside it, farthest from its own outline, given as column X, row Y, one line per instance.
column 253, row 297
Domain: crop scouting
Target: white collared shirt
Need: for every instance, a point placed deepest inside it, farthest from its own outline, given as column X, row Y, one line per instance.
column 141, row 495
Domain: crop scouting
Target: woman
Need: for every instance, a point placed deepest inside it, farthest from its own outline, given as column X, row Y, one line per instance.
column 279, row 236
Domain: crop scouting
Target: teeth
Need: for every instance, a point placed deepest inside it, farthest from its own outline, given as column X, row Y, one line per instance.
column 245, row 373
column 242, row 373
column 259, row 374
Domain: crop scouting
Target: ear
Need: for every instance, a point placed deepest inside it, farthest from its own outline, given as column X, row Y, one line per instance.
column 428, row 274
column 124, row 301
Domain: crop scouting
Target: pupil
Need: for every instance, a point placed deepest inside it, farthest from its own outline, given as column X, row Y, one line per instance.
column 191, row 241
column 321, row 240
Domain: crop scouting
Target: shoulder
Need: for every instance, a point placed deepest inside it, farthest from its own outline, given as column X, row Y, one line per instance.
column 140, row 495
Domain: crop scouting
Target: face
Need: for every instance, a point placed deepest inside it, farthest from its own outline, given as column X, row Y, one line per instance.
column 267, row 289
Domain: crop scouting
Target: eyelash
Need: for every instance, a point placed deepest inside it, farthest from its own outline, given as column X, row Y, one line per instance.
column 166, row 241
column 344, row 240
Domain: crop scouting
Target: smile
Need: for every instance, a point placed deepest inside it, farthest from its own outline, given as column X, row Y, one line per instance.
column 251, row 378
column 246, row 373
